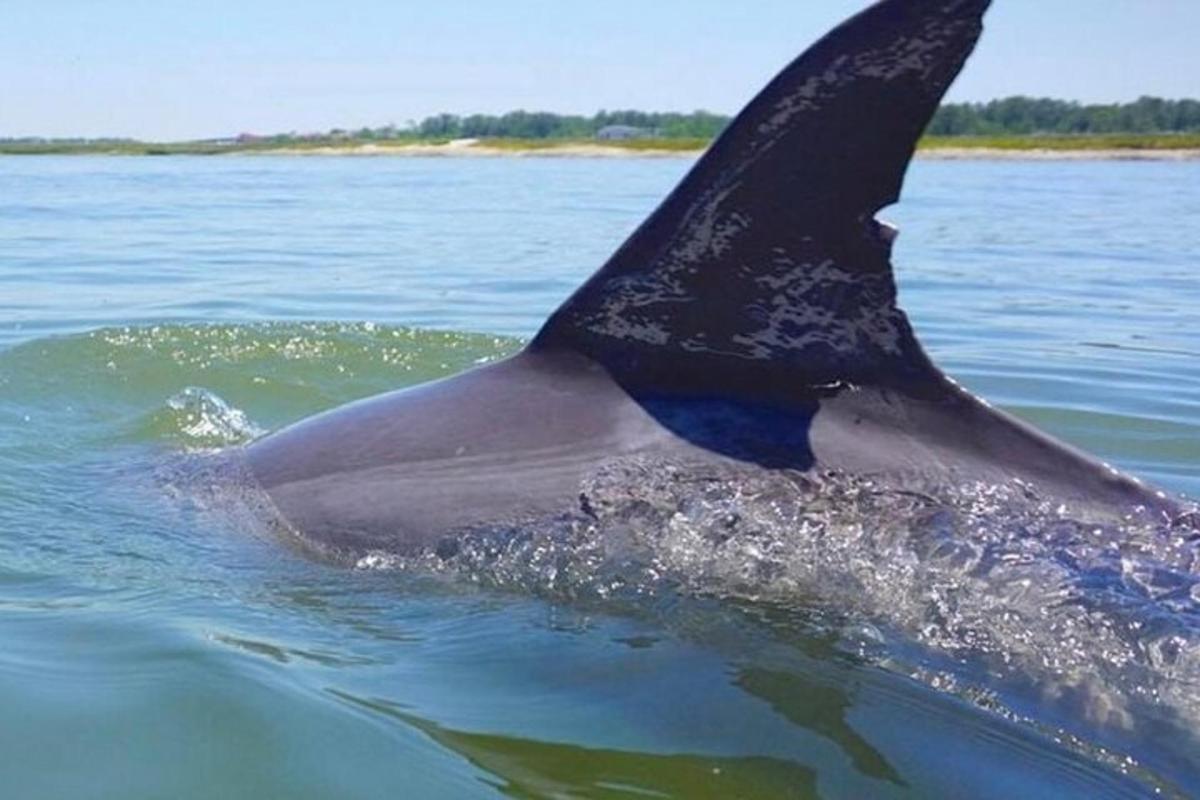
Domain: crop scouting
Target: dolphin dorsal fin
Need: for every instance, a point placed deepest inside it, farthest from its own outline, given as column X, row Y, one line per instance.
column 767, row 258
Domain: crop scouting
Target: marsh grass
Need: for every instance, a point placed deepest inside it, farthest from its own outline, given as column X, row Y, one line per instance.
column 1117, row 141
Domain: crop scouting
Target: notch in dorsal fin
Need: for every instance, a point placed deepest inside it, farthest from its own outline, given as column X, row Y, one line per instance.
column 765, row 266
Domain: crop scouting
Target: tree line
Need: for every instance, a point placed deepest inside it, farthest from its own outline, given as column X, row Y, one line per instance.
column 546, row 125
column 1010, row 116
column 1029, row 115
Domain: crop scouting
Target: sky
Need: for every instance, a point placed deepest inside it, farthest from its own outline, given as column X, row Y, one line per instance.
column 168, row 69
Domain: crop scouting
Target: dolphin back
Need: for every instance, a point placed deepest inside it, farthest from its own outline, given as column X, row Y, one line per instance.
column 765, row 272
column 749, row 324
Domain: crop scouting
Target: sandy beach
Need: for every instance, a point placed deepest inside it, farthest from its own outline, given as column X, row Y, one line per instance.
column 475, row 148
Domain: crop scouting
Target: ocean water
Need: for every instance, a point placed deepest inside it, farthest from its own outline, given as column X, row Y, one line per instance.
column 157, row 642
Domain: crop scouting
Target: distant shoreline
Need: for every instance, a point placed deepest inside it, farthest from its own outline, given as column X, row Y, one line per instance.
column 1032, row 148
column 939, row 152
column 478, row 149
column 1043, row 154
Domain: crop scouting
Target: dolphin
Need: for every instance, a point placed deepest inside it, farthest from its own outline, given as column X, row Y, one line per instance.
column 749, row 324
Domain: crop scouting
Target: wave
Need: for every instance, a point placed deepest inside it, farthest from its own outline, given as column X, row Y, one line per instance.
column 212, row 385
column 1087, row 629
column 985, row 591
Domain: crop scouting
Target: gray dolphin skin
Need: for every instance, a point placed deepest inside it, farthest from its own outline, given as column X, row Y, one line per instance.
column 750, row 323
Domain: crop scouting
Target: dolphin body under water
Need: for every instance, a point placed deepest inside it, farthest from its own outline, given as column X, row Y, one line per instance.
column 749, row 323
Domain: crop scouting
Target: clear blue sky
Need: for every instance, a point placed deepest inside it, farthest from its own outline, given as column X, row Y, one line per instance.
column 169, row 69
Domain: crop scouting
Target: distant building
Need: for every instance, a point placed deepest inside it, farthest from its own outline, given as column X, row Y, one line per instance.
column 611, row 132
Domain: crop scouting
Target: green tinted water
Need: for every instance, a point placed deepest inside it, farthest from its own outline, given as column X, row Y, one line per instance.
column 157, row 643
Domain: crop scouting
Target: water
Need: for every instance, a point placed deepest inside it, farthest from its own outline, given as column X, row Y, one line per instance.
column 157, row 642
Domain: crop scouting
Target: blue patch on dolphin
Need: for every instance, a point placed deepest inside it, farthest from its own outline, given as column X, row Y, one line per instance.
column 749, row 328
